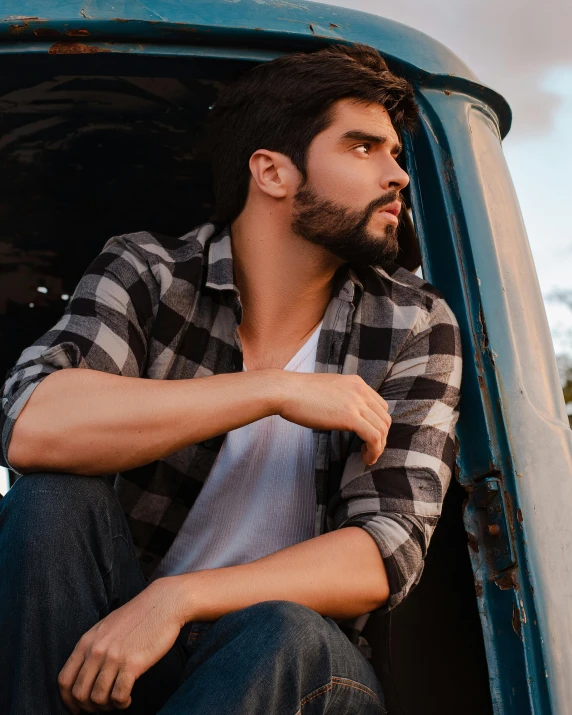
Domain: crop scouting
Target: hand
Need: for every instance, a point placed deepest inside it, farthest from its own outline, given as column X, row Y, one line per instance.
column 108, row 659
column 342, row 402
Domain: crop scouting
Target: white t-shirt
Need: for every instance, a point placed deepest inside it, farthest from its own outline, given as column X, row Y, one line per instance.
column 259, row 496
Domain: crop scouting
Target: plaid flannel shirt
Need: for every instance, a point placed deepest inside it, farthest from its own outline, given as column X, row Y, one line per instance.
column 165, row 308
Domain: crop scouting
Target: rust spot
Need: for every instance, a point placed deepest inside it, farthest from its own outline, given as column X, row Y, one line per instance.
column 519, row 516
column 120, row 19
column 507, row 581
column 17, row 29
column 47, row 32
column 478, row 590
column 333, row 26
column 516, row 625
column 312, row 29
column 484, row 340
column 73, row 48
column 77, row 33
column 473, row 543
column 447, row 92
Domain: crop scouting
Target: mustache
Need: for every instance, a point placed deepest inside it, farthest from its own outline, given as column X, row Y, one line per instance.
column 385, row 200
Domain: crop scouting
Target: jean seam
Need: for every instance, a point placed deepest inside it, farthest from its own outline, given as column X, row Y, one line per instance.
column 344, row 682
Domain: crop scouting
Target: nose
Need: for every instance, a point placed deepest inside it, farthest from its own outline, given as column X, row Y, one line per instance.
column 393, row 176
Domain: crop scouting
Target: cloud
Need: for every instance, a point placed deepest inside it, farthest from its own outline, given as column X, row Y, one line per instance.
column 511, row 45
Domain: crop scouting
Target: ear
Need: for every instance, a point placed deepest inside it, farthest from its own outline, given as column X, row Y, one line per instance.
column 274, row 173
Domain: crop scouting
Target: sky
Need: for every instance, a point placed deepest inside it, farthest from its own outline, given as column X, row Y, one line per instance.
column 523, row 50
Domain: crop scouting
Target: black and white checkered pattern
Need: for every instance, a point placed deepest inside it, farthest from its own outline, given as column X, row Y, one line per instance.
column 168, row 308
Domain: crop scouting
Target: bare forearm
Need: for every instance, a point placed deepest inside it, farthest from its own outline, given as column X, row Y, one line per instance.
column 339, row 574
column 91, row 422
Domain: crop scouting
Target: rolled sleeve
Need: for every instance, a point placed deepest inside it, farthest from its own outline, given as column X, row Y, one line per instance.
column 104, row 327
column 398, row 499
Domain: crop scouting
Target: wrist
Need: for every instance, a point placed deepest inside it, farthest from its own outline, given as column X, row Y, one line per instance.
column 275, row 388
column 179, row 595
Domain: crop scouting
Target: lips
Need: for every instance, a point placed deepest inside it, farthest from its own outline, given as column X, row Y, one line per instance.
column 393, row 208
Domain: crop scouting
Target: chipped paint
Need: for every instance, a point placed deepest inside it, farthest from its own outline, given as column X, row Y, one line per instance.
column 17, row 29
column 507, row 580
column 75, row 48
column 47, row 32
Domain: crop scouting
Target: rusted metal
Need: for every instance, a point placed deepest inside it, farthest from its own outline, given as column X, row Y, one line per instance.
column 47, row 32
column 516, row 625
column 473, row 542
column 75, row 48
column 17, row 29
column 507, row 580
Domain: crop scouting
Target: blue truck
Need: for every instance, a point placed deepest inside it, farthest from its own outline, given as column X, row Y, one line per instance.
column 101, row 115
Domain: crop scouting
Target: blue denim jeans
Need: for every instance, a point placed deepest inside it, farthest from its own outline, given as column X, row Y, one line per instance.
column 67, row 560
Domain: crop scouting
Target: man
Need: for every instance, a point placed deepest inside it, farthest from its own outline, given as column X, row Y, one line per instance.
column 274, row 401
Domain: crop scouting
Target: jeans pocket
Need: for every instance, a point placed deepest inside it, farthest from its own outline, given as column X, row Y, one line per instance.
column 343, row 695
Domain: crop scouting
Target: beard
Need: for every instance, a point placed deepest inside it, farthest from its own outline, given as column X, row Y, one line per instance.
column 344, row 232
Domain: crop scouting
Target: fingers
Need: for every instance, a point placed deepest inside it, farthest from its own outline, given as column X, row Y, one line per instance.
column 81, row 690
column 89, row 678
column 68, row 676
column 373, row 430
column 372, row 398
column 121, row 693
column 381, row 404
column 102, row 688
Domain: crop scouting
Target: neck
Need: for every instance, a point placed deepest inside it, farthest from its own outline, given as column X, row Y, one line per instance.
column 284, row 281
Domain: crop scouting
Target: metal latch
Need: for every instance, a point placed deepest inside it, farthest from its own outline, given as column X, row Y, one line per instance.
column 488, row 495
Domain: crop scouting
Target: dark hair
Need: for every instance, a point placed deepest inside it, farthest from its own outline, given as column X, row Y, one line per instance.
column 283, row 104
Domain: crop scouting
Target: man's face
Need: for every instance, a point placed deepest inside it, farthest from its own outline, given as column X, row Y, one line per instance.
column 353, row 176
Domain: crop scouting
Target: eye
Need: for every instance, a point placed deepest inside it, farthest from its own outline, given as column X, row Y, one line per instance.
column 365, row 145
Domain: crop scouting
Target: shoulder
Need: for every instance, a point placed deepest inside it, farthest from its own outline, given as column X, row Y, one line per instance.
column 154, row 248
column 166, row 265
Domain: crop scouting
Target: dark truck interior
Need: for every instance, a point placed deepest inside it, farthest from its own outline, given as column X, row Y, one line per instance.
column 98, row 145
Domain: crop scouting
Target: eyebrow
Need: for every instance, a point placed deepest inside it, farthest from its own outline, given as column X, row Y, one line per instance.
column 356, row 134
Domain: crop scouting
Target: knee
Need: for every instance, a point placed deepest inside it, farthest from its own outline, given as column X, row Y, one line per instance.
column 289, row 625
column 40, row 503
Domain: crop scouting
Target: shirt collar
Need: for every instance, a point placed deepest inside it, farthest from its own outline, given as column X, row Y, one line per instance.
column 220, row 269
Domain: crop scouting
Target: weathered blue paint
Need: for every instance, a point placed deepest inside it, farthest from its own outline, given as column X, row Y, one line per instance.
column 513, row 428
column 460, row 214
column 276, row 25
